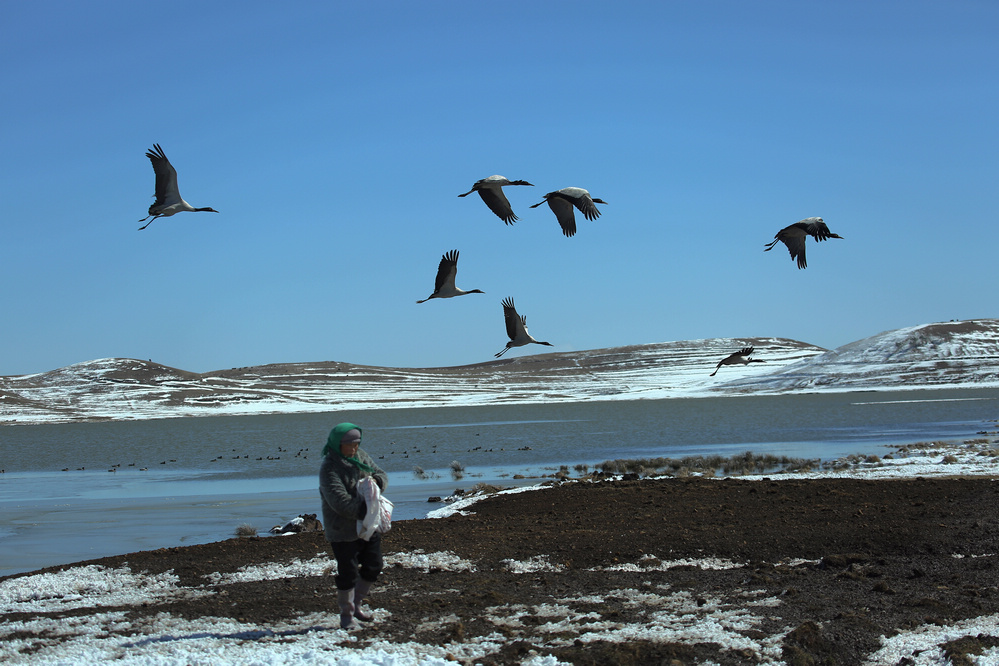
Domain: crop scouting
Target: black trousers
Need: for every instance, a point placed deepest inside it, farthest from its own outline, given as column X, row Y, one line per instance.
column 357, row 558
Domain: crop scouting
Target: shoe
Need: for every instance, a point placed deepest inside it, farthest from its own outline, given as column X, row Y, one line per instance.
column 345, row 598
column 360, row 591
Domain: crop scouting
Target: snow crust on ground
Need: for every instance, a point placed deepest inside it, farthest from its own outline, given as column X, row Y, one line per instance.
column 317, row 639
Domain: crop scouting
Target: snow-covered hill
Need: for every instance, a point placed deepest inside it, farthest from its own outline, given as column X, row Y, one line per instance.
column 949, row 354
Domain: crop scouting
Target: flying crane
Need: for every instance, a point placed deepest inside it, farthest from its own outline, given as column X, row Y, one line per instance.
column 740, row 357
column 516, row 328
column 793, row 236
column 562, row 201
column 444, row 286
column 168, row 200
column 491, row 191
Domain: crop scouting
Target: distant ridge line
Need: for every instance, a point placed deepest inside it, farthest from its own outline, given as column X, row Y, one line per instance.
column 939, row 355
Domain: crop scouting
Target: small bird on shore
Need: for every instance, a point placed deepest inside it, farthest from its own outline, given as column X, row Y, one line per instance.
column 794, row 236
column 562, row 201
column 168, row 200
column 444, row 286
column 516, row 328
column 740, row 357
column 491, row 191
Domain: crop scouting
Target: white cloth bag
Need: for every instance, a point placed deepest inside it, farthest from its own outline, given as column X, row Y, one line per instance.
column 379, row 515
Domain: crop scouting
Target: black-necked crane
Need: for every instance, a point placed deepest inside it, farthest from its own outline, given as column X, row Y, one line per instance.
column 794, row 236
column 562, row 201
column 444, row 286
column 491, row 191
column 168, row 200
column 740, row 357
column 516, row 328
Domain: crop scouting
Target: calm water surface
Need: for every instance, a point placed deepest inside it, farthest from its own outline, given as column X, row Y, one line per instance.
column 193, row 480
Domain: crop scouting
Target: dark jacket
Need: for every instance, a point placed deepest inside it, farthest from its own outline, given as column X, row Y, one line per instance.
column 342, row 507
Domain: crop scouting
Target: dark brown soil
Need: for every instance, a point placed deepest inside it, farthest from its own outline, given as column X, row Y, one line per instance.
column 882, row 557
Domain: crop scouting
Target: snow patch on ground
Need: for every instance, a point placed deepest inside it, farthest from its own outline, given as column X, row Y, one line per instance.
column 442, row 561
column 317, row 566
column 921, row 646
column 87, row 587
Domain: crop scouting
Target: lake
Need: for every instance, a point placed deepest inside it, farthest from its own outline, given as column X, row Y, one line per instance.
column 71, row 492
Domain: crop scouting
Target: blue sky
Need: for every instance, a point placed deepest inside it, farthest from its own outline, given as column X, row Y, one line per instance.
column 334, row 139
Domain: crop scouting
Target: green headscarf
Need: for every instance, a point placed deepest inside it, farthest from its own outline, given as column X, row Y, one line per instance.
column 333, row 444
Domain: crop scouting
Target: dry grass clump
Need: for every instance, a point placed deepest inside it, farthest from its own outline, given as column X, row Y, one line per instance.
column 854, row 460
column 750, row 463
column 483, row 488
column 246, row 530
column 741, row 464
column 924, row 446
column 423, row 475
column 979, row 446
column 802, row 464
column 610, row 466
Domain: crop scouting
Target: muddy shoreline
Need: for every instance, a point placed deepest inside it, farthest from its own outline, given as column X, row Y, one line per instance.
column 818, row 570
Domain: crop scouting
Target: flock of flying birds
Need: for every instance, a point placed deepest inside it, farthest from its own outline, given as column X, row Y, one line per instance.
column 562, row 202
column 490, row 190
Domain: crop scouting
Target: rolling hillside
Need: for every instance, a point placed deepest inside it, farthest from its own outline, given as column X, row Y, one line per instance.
column 950, row 354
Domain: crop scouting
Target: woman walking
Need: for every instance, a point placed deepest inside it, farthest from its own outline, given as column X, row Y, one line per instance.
column 358, row 561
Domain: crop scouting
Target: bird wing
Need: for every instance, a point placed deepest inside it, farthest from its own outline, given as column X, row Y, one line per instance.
column 563, row 213
column 512, row 320
column 498, row 203
column 587, row 207
column 796, row 246
column 817, row 229
column 167, row 192
column 522, row 327
column 730, row 358
column 446, row 270
column 734, row 357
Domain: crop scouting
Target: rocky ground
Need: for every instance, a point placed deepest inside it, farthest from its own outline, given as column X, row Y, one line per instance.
column 675, row 571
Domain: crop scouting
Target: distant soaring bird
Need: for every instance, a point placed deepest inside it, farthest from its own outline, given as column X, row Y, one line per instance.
column 794, row 237
column 739, row 357
column 168, row 200
column 516, row 328
column 444, row 287
column 562, row 201
column 491, row 191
